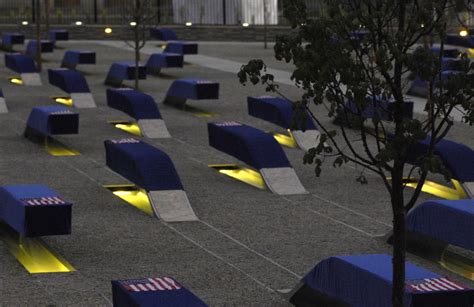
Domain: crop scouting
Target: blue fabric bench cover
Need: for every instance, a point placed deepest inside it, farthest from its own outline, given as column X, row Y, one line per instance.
column 446, row 220
column 457, row 158
column 457, row 40
column 165, row 60
column 51, row 120
column 58, row 35
column 20, row 63
column 125, row 70
column 79, row 57
column 194, row 89
column 453, row 64
column 146, row 166
column 13, row 39
column 250, row 145
column 366, row 281
column 275, row 110
column 136, row 104
column 181, row 47
column 68, row 80
column 47, row 46
column 447, row 52
column 384, row 110
column 163, row 34
column 153, row 292
column 35, row 210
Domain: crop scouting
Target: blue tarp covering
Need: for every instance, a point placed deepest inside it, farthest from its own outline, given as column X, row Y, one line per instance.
column 384, row 109
column 163, row 34
column 146, row 166
column 457, row 158
column 136, row 104
column 125, row 70
column 366, row 281
column 164, row 60
column 250, row 145
column 449, row 221
column 59, row 35
column 79, row 57
column 181, row 47
column 160, row 292
column 454, row 64
column 50, row 120
column 457, row 40
column 68, row 80
column 447, row 52
column 20, row 63
column 13, row 39
column 35, row 210
column 194, row 89
column 275, row 110
column 47, row 46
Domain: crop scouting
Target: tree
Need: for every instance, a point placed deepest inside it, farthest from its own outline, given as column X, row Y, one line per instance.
column 138, row 14
column 363, row 51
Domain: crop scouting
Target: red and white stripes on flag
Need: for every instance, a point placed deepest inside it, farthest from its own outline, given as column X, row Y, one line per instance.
column 41, row 201
column 151, row 284
column 433, row 285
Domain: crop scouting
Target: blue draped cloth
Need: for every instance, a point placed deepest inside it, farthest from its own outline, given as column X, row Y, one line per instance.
column 51, row 120
column 13, row 39
column 59, row 35
column 447, row 52
column 20, row 63
column 79, row 57
column 160, row 292
column 68, row 80
column 457, row 40
column 366, row 281
column 136, row 104
column 144, row 165
column 181, row 47
column 250, row 145
column 194, row 89
column 275, row 110
column 163, row 34
column 449, row 221
column 125, row 70
column 165, row 60
column 47, row 46
column 35, row 210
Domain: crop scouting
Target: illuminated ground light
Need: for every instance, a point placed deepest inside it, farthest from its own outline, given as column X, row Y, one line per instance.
column 58, row 149
column 247, row 175
column 133, row 195
column 439, row 190
column 133, row 23
column 78, row 23
column 188, row 24
column 24, row 23
column 108, row 30
column 198, row 112
column 458, row 264
column 463, row 33
column 286, row 140
column 63, row 100
column 245, row 24
column 16, row 80
column 33, row 253
column 130, row 127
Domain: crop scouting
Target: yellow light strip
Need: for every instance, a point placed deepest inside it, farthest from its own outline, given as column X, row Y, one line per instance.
column 134, row 196
column 458, row 264
column 470, row 53
column 129, row 127
column 439, row 190
column 247, row 175
column 285, row 140
column 63, row 100
column 34, row 254
column 16, row 80
column 198, row 112
column 58, row 149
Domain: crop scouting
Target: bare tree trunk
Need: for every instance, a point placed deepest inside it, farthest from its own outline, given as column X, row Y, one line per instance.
column 38, row 36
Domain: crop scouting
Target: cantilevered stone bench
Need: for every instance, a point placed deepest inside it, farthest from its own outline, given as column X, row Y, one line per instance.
column 259, row 150
column 3, row 104
column 35, row 210
column 448, row 221
column 73, row 83
column 58, row 35
column 163, row 34
column 25, row 66
column 11, row 39
column 142, row 108
column 183, row 89
column 181, row 47
column 47, row 46
column 51, row 120
column 161, row 291
column 124, row 70
column 72, row 58
column 157, row 61
column 455, row 39
column 280, row 112
column 366, row 281
column 152, row 170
